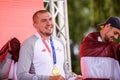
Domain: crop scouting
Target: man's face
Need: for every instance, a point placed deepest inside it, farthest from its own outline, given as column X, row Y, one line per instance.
column 44, row 24
column 112, row 34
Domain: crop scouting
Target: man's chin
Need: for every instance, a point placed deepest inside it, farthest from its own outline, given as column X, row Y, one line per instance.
column 49, row 34
column 112, row 40
column 108, row 40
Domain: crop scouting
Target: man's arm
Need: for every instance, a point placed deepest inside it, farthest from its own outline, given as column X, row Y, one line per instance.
column 25, row 62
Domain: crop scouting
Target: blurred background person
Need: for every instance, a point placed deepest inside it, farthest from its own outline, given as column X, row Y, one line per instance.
column 9, row 55
column 100, row 54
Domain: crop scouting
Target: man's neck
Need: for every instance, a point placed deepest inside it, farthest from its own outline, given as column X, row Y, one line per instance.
column 102, row 35
column 45, row 37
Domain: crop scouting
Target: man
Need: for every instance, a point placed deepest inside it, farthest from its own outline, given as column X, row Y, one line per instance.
column 100, row 55
column 42, row 55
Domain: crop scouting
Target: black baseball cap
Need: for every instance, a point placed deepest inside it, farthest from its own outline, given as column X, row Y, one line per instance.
column 113, row 21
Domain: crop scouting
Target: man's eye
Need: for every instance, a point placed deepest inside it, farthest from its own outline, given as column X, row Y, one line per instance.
column 50, row 19
column 43, row 20
column 115, row 33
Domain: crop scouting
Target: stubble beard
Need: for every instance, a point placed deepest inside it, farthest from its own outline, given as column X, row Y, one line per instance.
column 106, row 38
column 48, row 34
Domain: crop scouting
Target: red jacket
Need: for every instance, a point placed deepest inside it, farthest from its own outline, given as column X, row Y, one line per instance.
column 99, row 60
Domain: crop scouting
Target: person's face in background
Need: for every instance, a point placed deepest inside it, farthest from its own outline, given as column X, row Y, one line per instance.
column 111, row 33
column 44, row 24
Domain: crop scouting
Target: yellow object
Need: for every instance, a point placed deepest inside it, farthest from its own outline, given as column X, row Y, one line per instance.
column 55, row 71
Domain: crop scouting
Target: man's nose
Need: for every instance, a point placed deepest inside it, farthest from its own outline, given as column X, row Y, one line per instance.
column 48, row 22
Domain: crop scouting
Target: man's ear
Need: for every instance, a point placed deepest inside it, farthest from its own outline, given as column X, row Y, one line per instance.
column 35, row 24
column 107, row 26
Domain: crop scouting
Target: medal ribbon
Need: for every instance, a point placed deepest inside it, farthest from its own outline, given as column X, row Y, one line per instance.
column 53, row 51
column 46, row 46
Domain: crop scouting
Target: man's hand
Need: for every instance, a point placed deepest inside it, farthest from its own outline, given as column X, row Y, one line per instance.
column 59, row 77
column 79, row 77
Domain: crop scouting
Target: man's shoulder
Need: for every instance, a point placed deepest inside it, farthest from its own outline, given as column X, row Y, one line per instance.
column 30, row 40
column 92, row 36
column 57, row 39
column 94, row 33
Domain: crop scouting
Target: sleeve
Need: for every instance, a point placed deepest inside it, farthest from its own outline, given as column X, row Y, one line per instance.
column 66, row 65
column 68, row 74
column 25, row 62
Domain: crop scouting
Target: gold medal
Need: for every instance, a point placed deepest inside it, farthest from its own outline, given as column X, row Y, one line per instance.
column 55, row 71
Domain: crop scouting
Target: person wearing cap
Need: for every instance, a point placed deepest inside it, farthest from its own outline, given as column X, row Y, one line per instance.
column 100, row 54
